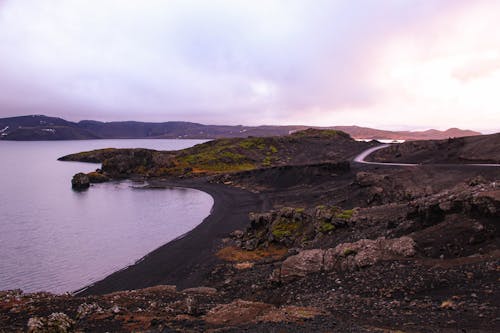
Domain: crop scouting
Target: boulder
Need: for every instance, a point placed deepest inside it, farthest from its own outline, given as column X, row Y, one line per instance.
column 307, row 261
column 367, row 252
column 236, row 312
column 345, row 257
column 80, row 181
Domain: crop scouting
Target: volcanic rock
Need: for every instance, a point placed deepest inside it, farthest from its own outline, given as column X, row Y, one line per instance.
column 80, row 181
column 346, row 256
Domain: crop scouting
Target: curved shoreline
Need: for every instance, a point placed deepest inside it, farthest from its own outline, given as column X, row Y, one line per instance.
column 188, row 259
column 149, row 187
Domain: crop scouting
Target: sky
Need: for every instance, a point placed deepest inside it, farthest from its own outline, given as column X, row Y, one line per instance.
column 391, row 64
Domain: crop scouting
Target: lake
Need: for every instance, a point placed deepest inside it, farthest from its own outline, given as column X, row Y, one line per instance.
column 55, row 239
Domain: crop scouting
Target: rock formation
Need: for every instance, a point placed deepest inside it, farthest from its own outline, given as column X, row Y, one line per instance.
column 80, row 181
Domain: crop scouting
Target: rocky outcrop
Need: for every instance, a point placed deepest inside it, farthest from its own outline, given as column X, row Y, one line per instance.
column 129, row 162
column 80, row 181
column 476, row 200
column 383, row 188
column 243, row 312
column 290, row 226
column 475, row 149
column 97, row 177
column 345, row 257
column 56, row 322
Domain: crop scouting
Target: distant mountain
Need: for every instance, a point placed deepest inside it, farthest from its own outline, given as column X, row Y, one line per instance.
column 432, row 134
column 39, row 127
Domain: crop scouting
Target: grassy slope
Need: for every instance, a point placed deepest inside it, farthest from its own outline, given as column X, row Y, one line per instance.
column 228, row 155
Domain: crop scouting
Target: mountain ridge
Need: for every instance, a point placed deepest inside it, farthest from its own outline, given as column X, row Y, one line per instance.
column 40, row 127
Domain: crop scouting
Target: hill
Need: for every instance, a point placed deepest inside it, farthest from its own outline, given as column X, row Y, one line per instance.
column 227, row 155
column 474, row 149
column 376, row 134
column 39, row 127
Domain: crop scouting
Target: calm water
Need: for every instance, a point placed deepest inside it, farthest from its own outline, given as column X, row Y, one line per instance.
column 55, row 239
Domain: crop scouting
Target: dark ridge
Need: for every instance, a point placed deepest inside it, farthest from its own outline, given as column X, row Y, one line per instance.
column 39, row 127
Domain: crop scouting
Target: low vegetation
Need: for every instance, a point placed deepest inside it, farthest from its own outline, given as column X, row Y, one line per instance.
column 345, row 214
column 285, row 228
column 236, row 254
column 226, row 155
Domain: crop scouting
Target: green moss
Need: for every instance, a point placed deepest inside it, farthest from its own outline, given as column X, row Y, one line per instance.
column 285, row 228
column 319, row 133
column 250, row 143
column 273, row 149
column 345, row 214
column 267, row 161
column 221, row 157
column 247, row 144
column 348, row 252
column 326, row 227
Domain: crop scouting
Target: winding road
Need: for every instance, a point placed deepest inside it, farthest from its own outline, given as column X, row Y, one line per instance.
column 361, row 159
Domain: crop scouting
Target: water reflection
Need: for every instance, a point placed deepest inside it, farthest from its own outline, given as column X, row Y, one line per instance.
column 56, row 239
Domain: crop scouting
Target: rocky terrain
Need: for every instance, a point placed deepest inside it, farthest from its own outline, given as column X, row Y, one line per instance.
column 318, row 245
column 474, row 149
column 226, row 155
column 39, row 127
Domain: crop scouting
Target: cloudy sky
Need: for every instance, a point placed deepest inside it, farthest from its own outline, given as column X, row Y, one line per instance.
column 395, row 64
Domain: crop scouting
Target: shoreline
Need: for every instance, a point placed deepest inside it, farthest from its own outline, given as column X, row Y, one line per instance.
column 228, row 201
column 188, row 259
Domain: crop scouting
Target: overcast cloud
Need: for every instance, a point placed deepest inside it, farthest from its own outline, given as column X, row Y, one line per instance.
column 380, row 63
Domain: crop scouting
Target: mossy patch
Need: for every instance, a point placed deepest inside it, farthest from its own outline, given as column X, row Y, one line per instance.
column 216, row 159
column 349, row 252
column 345, row 214
column 267, row 161
column 320, row 133
column 326, row 227
column 219, row 156
column 285, row 228
column 253, row 143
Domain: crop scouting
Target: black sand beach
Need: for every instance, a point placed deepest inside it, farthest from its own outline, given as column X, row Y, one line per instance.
column 186, row 261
